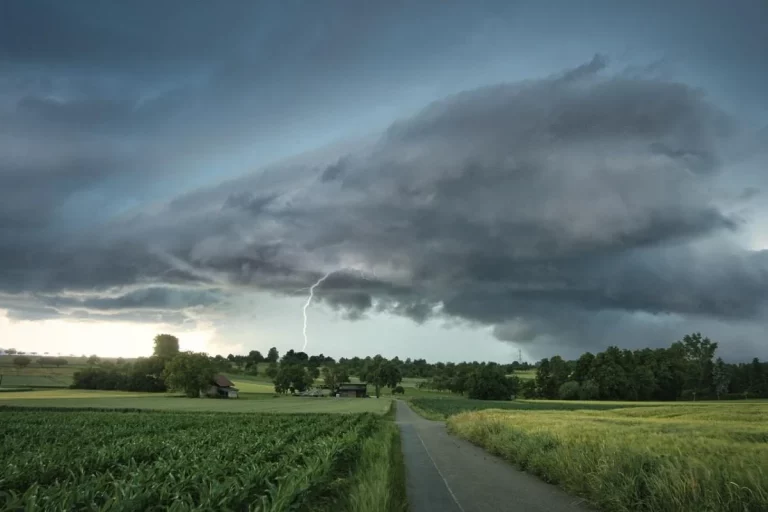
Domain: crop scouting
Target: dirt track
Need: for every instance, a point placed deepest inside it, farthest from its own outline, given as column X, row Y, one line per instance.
column 447, row 474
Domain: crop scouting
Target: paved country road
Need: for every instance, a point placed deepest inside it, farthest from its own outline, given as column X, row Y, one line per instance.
column 447, row 474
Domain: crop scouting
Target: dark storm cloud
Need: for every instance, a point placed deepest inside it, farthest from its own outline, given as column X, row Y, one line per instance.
column 155, row 298
column 544, row 201
column 536, row 207
column 104, row 106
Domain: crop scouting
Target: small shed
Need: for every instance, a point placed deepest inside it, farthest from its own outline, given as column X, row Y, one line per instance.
column 352, row 390
column 222, row 387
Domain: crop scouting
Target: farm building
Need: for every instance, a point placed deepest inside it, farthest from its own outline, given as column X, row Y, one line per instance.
column 352, row 390
column 222, row 387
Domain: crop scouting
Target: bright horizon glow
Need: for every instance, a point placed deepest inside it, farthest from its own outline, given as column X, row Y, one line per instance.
column 105, row 339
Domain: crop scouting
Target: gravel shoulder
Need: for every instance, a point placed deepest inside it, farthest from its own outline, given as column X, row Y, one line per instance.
column 444, row 473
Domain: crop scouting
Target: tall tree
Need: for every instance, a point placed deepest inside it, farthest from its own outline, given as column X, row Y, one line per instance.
column 758, row 378
column 190, row 372
column 254, row 357
column 380, row 372
column 699, row 352
column 583, row 370
column 292, row 377
column 721, row 378
column 333, row 375
column 610, row 375
column 489, row 382
column 273, row 355
column 272, row 370
column 21, row 361
column 166, row 346
column 546, row 383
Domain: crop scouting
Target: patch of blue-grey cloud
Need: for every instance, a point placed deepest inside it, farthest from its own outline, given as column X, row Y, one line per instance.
column 133, row 131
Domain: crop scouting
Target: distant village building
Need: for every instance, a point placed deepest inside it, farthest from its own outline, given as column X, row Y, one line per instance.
column 352, row 390
column 222, row 387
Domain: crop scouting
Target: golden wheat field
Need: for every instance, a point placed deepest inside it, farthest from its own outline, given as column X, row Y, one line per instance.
column 674, row 458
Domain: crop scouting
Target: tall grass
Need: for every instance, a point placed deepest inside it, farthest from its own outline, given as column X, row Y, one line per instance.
column 442, row 408
column 666, row 459
column 379, row 484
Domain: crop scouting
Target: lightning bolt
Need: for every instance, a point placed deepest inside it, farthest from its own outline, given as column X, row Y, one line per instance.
column 312, row 296
column 309, row 301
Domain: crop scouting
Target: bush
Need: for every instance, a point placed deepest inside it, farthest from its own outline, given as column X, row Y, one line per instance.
column 528, row 389
column 590, row 390
column 116, row 380
column 570, row 390
column 398, row 390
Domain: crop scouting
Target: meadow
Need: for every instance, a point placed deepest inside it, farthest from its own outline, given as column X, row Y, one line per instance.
column 682, row 457
column 248, row 403
column 34, row 376
column 64, row 460
column 441, row 408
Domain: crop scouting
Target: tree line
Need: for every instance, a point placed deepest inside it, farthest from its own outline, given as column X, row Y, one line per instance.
column 148, row 374
column 23, row 361
column 298, row 371
column 687, row 370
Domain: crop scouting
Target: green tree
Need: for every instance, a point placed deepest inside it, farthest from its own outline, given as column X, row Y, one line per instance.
column 272, row 370
column 380, row 372
column 570, row 390
column 610, row 375
column 293, row 357
column 583, row 369
column 11, row 351
column 292, row 377
column 758, row 378
column 21, row 361
column 93, row 360
column 546, row 380
column 589, row 390
column 273, row 355
column 490, row 382
column 671, row 372
column 253, row 359
column 699, row 352
column 166, row 346
column 528, row 389
column 389, row 375
column 721, row 377
column 334, row 375
column 190, row 372
column 149, row 366
column 644, row 382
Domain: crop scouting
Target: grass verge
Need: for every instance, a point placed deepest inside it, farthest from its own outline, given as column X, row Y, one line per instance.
column 379, row 482
column 667, row 459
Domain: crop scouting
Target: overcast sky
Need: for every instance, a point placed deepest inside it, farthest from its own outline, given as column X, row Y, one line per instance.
column 478, row 178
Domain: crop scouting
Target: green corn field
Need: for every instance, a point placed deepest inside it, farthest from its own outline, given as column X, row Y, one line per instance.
column 121, row 461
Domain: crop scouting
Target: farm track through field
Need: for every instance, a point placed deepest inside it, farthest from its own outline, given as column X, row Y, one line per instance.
column 447, row 474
